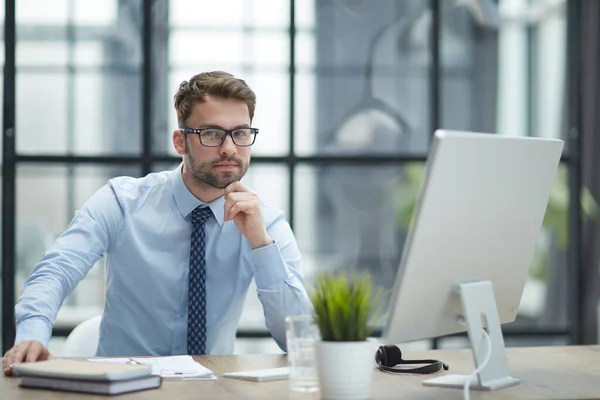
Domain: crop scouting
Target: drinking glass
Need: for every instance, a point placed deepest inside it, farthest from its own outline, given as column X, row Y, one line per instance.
column 301, row 336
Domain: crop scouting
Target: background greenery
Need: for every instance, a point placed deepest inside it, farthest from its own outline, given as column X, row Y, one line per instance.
column 555, row 226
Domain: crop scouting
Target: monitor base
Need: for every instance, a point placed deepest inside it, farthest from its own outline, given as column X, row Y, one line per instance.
column 458, row 381
column 480, row 315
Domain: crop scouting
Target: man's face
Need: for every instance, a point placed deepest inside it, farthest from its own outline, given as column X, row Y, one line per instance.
column 217, row 167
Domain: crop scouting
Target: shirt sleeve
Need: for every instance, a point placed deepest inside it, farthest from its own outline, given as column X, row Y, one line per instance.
column 279, row 281
column 65, row 264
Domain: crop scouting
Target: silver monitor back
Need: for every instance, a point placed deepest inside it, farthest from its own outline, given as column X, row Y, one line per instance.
column 480, row 212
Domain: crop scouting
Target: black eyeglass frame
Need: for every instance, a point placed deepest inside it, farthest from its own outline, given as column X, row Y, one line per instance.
column 228, row 132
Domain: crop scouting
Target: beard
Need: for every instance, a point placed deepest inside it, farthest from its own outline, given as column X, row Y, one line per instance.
column 207, row 177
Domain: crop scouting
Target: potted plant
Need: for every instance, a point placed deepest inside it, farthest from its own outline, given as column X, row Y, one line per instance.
column 345, row 308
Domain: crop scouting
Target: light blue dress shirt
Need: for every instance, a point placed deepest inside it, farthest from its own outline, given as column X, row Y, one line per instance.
column 143, row 228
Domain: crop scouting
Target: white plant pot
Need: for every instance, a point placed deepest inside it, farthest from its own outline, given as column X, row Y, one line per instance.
column 345, row 369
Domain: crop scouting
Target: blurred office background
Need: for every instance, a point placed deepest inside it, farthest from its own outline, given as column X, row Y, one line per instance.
column 349, row 93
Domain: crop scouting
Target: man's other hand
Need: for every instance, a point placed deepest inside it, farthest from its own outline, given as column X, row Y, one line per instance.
column 30, row 351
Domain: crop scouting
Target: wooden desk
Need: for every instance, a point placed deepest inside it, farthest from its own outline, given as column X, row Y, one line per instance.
column 571, row 372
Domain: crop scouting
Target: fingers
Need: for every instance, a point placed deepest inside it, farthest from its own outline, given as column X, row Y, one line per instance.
column 19, row 353
column 248, row 203
column 247, row 207
column 235, row 192
column 35, row 352
column 30, row 351
column 236, row 186
column 243, row 207
column 6, row 363
column 13, row 356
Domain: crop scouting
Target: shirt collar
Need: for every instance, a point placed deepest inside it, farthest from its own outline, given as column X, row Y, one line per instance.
column 187, row 202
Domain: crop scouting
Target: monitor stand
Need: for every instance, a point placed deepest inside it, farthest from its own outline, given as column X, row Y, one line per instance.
column 479, row 305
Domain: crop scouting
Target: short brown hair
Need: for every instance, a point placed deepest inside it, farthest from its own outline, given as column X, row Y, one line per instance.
column 215, row 83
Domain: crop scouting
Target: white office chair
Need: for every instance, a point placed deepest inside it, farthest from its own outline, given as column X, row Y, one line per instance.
column 83, row 340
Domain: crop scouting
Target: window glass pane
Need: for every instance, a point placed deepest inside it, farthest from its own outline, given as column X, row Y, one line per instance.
column 78, row 90
column 41, row 54
column 362, row 124
column 548, row 79
column 509, row 80
column 306, row 54
column 93, row 132
column 470, row 64
column 304, row 122
column 371, row 79
column 41, row 218
column 272, row 112
column 95, row 13
column 271, row 14
column 354, row 218
column 545, row 298
column 41, row 12
column 270, row 48
column 225, row 13
column 205, row 49
column 271, row 184
column 83, row 117
column 89, row 54
column 41, row 124
column 305, row 14
column 89, row 127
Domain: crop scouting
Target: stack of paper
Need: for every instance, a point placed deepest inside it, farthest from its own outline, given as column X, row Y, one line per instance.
column 175, row 367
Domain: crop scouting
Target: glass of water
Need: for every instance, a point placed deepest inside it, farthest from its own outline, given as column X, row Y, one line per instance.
column 301, row 336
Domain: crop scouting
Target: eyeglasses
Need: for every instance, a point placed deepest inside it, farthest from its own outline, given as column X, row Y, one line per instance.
column 214, row 137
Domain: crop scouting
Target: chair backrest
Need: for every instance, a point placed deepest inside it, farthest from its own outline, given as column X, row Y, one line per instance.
column 83, row 340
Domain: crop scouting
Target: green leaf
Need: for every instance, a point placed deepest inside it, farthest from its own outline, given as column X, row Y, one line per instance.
column 344, row 306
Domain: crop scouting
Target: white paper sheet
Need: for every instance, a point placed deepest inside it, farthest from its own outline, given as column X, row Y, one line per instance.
column 174, row 367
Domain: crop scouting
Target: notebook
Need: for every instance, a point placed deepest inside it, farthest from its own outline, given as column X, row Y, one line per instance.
column 83, row 376
column 77, row 369
column 92, row 386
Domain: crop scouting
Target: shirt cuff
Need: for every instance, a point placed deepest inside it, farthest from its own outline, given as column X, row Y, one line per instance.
column 268, row 265
column 34, row 329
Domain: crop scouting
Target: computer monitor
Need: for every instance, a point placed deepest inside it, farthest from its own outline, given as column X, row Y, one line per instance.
column 471, row 244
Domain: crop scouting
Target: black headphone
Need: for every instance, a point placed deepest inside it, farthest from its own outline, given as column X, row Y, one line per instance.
column 389, row 355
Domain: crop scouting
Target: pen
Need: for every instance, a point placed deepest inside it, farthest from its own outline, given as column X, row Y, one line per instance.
column 162, row 372
column 167, row 372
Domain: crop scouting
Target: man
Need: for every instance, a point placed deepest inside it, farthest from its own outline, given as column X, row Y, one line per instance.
column 181, row 246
